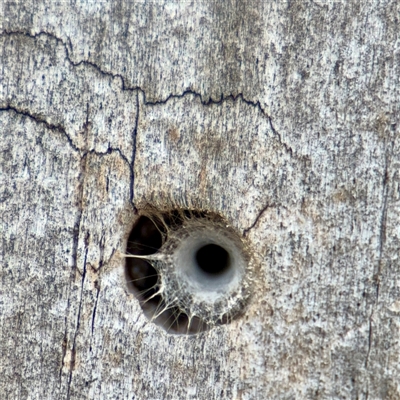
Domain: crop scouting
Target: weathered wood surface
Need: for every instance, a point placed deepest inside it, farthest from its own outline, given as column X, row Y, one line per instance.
column 281, row 116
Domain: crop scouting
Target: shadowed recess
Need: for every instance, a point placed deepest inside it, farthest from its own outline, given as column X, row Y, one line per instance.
column 212, row 259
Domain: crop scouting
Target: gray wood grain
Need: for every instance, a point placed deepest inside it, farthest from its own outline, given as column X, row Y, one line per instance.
column 283, row 117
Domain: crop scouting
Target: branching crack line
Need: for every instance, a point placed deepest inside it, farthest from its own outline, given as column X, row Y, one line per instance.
column 259, row 215
column 78, row 322
column 57, row 127
column 96, row 302
column 135, row 132
column 95, row 308
column 74, row 269
column 125, row 87
column 40, row 120
column 75, row 246
column 382, row 240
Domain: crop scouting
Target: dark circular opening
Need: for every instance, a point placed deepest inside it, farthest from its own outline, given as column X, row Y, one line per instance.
column 212, row 259
column 147, row 277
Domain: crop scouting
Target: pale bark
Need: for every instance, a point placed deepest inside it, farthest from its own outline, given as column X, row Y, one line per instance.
column 280, row 116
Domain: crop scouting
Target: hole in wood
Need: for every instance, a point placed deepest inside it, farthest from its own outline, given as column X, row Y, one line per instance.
column 187, row 269
column 212, row 259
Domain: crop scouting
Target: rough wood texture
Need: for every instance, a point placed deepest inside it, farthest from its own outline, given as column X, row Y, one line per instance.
column 281, row 116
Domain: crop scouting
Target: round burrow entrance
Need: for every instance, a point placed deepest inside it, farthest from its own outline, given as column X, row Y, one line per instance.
column 188, row 269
